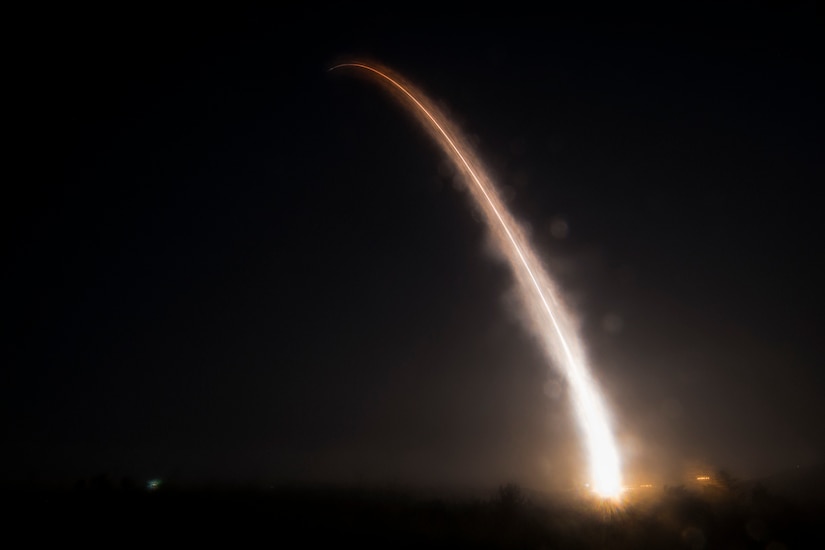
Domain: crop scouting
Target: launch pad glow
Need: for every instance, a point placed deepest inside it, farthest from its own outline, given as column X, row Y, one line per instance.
column 549, row 318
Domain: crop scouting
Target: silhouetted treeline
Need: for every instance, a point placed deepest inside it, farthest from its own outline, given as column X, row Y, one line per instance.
column 100, row 512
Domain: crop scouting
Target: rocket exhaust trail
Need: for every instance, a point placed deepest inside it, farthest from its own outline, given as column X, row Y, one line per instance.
column 549, row 319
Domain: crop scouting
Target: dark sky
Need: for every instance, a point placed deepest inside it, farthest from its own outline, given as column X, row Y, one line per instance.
column 225, row 262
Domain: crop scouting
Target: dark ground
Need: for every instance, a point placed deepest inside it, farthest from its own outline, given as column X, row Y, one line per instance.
column 780, row 513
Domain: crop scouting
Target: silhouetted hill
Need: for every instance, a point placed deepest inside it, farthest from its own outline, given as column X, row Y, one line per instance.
column 801, row 483
column 106, row 515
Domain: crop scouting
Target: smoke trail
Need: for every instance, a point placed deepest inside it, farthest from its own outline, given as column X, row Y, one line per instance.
column 549, row 319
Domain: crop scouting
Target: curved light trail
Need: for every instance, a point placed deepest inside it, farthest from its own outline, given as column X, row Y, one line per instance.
column 550, row 321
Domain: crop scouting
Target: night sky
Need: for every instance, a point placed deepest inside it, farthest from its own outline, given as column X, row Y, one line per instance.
column 226, row 263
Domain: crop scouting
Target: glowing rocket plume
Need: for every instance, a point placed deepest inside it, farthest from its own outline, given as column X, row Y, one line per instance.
column 550, row 321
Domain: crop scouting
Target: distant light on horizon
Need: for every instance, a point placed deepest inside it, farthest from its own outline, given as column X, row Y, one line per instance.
column 154, row 484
